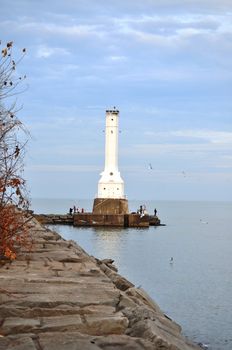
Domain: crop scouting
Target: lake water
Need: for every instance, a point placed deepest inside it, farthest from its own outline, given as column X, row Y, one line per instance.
column 196, row 290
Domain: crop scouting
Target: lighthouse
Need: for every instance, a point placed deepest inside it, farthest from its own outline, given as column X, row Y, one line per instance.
column 110, row 206
column 110, row 197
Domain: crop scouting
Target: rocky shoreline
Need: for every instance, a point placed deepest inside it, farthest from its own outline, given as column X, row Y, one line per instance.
column 58, row 297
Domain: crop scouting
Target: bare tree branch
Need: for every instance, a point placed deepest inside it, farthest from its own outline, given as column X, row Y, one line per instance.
column 13, row 194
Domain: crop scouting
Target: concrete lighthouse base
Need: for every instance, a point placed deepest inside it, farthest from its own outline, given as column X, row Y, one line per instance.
column 110, row 206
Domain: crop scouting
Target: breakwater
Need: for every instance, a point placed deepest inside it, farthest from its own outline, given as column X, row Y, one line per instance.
column 59, row 297
column 91, row 219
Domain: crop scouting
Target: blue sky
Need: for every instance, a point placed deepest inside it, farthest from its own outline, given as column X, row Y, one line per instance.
column 166, row 65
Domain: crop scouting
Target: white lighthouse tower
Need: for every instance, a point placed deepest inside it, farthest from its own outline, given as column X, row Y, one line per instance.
column 110, row 198
column 111, row 184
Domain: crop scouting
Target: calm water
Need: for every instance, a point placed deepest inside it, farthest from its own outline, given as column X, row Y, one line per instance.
column 196, row 290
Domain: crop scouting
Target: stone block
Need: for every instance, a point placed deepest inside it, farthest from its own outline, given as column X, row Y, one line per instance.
column 67, row 341
column 126, row 302
column 62, row 323
column 108, row 324
column 14, row 325
column 124, row 342
column 21, row 342
column 141, row 297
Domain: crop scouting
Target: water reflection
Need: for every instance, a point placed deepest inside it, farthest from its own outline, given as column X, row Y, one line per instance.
column 108, row 241
column 113, row 242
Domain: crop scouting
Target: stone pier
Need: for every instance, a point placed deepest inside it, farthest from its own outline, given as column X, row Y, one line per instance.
column 91, row 219
column 57, row 297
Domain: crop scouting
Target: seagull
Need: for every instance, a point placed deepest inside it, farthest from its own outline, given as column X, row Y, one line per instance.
column 171, row 260
column 203, row 222
column 203, row 346
column 150, row 166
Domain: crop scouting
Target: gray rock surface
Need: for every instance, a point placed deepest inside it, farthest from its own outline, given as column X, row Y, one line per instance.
column 57, row 297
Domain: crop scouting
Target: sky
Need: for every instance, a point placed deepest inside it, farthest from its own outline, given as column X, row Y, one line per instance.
column 166, row 65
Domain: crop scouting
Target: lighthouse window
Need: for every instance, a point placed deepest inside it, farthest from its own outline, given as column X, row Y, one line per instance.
column 111, row 174
column 104, row 188
column 112, row 120
column 117, row 188
column 111, row 131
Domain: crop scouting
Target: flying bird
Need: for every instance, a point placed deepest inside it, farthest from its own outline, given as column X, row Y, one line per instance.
column 150, row 166
column 203, row 222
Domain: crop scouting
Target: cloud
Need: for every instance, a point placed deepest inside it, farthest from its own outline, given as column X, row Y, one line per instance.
column 170, row 24
column 176, row 31
column 164, row 74
column 63, row 168
column 216, row 137
column 55, row 29
column 44, row 51
column 212, row 136
column 117, row 58
column 194, row 149
column 172, row 6
column 180, row 150
column 161, row 29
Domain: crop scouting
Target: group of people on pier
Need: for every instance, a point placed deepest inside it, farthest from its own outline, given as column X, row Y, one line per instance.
column 143, row 211
column 76, row 210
